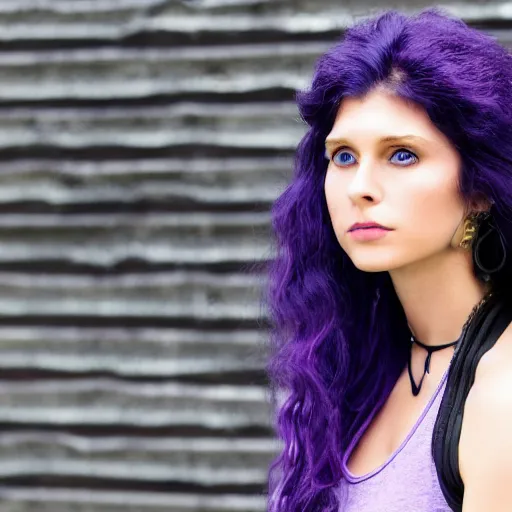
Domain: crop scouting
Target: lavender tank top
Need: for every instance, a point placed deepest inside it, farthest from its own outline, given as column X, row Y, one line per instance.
column 407, row 480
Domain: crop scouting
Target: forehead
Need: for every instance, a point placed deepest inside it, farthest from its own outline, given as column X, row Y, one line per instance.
column 382, row 113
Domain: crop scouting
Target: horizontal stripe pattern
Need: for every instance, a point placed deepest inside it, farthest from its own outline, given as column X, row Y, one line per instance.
column 142, row 143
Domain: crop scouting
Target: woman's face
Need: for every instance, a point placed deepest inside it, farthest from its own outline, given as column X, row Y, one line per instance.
column 407, row 184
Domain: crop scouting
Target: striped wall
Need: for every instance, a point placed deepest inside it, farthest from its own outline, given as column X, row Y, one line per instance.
column 141, row 145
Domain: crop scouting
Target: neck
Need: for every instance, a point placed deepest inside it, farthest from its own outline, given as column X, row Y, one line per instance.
column 437, row 295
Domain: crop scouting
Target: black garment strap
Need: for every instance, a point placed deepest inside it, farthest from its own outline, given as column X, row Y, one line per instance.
column 429, row 348
column 481, row 335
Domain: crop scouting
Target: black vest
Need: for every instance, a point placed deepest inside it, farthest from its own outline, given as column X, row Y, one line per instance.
column 482, row 333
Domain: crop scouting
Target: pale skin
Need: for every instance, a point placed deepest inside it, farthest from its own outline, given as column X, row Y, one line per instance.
column 410, row 185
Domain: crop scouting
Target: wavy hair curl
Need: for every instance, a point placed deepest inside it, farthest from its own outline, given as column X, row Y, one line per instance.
column 338, row 336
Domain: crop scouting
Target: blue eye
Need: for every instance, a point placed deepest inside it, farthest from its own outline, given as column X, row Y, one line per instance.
column 404, row 152
column 344, row 160
column 404, row 160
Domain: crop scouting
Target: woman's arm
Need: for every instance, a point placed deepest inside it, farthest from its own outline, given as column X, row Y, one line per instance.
column 485, row 447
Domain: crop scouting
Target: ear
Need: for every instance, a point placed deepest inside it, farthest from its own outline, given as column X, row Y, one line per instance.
column 480, row 203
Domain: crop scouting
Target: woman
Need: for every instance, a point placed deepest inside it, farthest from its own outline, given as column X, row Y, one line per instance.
column 410, row 128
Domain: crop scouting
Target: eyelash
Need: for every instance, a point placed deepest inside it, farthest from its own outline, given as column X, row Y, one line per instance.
column 399, row 150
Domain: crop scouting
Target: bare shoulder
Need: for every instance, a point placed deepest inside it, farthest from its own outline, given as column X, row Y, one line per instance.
column 485, row 447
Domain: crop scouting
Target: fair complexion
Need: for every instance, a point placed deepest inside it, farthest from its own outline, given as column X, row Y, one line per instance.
column 485, row 446
column 410, row 185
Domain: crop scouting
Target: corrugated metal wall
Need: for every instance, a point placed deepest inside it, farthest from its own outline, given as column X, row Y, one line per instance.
column 141, row 144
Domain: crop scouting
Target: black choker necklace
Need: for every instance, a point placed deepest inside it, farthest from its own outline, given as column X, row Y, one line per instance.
column 429, row 349
column 433, row 348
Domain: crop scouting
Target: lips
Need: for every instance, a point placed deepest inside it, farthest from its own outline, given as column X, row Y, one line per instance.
column 358, row 226
column 368, row 234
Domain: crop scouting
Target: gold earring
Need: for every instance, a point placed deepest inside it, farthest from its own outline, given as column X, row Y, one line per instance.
column 470, row 227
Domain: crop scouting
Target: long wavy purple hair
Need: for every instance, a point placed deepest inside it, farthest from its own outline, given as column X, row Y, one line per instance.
column 339, row 337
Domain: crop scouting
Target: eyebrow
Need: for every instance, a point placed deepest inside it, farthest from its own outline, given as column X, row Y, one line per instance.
column 329, row 143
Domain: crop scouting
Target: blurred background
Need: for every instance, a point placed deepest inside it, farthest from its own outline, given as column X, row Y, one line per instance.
column 142, row 143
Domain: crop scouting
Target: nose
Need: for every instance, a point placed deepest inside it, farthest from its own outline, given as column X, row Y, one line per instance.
column 364, row 187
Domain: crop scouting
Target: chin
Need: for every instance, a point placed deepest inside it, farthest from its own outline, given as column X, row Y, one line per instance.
column 368, row 267
column 375, row 262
